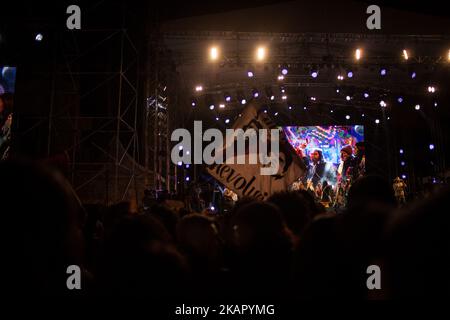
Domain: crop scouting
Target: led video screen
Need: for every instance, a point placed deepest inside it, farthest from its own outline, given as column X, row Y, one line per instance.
column 7, row 88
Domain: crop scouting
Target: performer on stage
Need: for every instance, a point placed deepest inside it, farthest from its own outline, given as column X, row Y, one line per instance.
column 316, row 169
column 399, row 190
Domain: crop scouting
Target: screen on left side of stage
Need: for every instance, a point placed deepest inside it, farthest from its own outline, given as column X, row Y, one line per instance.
column 7, row 89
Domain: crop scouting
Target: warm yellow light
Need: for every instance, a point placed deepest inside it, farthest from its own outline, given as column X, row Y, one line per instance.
column 405, row 54
column 358, row 54
column 448, row 55
column 261, row 53
column 214, row 53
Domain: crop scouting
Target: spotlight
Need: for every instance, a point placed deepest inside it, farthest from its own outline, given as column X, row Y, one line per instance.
column 363, row 115
column 255, row 93
column 337, row 90
column 348, row 98
column 187, row 166
column 275, row 114
column 211, row 107
column 314, row 72
column 383, row 71
column 340, row 77
column 347, row 117
column 272, row 97
column 217, row 119
column 260, row 53
column 400, row 99
column 227, row 97
column 180, row 148
column 284, row 71
column 401, row 151
column 402, row 163
column 283, row 90
column 403, row 176
column 350, row 74
column 250, row 74
column 290, row 108
column 187, row 178
column 431, row 146
column 221, row 106
column 331, row 111
column 405, row 54
column 193, row 103
column 243, row 101
column 435, row 104
column 377, row 121
column 283, row 97
column 280, row 77
column 198, row 88
column 389, row 118
column 304, row 108
column 265, row 111
column 213, row 53
column 39, row 37
column 212, row 208
column 366, row 95
column 413, row 75
column 417, row 107
column 313, row 98
column 431, row 89
column 227, row 121
column 358, row 53
column 382, row 103
column 180, row 163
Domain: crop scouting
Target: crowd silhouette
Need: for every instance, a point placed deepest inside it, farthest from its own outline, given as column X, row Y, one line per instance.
column 288, row 246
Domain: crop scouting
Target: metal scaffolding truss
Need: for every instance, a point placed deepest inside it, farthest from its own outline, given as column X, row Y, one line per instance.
column 93, row 114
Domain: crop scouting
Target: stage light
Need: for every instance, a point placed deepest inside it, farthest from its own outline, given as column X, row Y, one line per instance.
column 377, row 121
column 39, row 37
column 212, row 208
column 337, row 90
column 187, row 178
column 435, row 104
column 211, row 107
column 265, row 110
column 227, row 121
column 389, row 118
column 400, row 99
column 243, row 101
column 283, row 97
column 401, row 151
column 187, row 166
column 260, row 53
column 304, row 108
column 221, row 106
column 290, row 108
column 331, row 111
column 350, row 74
column 193, row 103
column 366, row 95
column 284, row 71
column 180, row 163
column 198, row 88
column 217, row 119
column 431, row 89
column 431, row 146
column 358, row 53
column 213, row 53
column 405, row 54
column 413, row 75
column 382, row 103
column 314, row 74
column 187, row 152
column 383, row 71
column 255, row 93
column 402, row 163
column 272, row 97
column 250, row 74
column 180, row 148
column 340, row 77
column 363, row 115
column 347, row 117
column 417, row 107
column 275, row 114
column 227, row 97
column 403, row 176
column 280, row 77
column 313, row 98
column 348, row 98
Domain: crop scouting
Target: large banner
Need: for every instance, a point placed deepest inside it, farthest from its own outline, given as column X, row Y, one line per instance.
column 246, row 179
